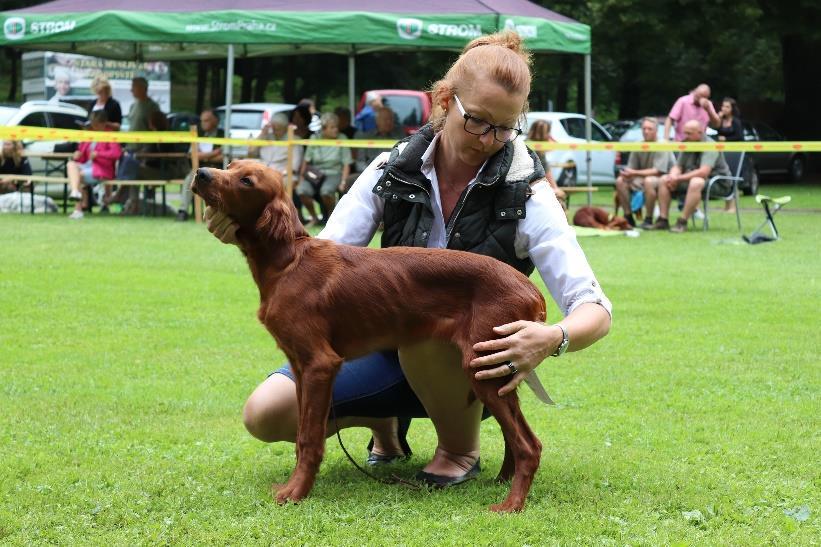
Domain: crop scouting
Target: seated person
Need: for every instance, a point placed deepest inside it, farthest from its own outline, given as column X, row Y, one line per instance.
column 643, row 172
column 93, row 163
column 12, row 162
column 276, row 157
column 689, row 176
column 540, row 132
column 386, row 129
column 332, row 161
column 210, row 155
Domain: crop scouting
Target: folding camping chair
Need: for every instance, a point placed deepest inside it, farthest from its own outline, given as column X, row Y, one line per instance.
column 765, row 201
column 735, row 161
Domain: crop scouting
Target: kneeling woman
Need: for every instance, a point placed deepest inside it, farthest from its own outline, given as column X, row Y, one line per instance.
column 466, row 182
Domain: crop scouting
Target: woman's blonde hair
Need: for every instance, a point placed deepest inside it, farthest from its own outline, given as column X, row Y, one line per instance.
column 499, row 58
column 16, row 152
column 99, row 83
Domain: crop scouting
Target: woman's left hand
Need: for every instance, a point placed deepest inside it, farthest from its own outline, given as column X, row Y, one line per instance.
column 524, row 344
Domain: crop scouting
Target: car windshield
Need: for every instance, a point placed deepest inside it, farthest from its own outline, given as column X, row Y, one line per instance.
column 407, row 108
column 6, row 114
column 242, row 119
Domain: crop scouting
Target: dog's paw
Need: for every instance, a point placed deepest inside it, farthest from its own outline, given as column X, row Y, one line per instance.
column 283, row 493
column 508, row 506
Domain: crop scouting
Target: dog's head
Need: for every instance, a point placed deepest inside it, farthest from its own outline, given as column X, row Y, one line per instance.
column 253, row 195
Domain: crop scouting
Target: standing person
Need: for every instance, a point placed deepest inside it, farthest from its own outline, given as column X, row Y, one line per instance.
column 210, row 155
column 335, row 164
column 689, row 176
column 12, row 162
column 366, row 119
column 464, row 181
column 695, row 105
column 730, row 127
column 540, row 132
column 139, row 116
column 643, row 173
column 102, row 89
column 93, row 163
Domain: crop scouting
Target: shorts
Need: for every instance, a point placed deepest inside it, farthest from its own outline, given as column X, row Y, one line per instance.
column 329, row 186
column 721, row 189
column 88, row 177
column 637, row 183
column 373, row 386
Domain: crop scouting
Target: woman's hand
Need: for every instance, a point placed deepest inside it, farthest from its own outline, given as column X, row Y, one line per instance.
column 524, row 345
column 221, row 226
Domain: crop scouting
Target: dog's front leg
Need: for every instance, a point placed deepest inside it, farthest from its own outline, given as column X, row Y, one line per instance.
column 314, row 388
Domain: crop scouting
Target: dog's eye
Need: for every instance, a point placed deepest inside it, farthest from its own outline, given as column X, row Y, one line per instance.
column 246, row 181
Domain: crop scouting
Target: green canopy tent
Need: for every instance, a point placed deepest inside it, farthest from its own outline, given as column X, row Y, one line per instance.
column 159, row 30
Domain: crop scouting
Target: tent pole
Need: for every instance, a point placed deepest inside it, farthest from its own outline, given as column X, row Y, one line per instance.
column 351, row 82
column 229, row 100
column 587, row 124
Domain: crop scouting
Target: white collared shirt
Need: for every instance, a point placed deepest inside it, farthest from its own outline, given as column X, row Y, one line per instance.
column 544, row 234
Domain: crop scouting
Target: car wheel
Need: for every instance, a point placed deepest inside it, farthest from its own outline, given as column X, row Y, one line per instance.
column 797, row 169
column 752, row 188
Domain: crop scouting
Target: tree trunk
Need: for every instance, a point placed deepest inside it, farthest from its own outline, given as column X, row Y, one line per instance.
column 562, row 82
column 202, row 82
column 630, row 93
column 14, row 57
column 265, row 68
column 802, row 110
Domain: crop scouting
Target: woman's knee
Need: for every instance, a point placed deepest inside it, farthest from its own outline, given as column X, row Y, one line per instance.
column 270, row 413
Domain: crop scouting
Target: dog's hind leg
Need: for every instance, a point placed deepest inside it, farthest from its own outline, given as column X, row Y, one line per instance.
column 314, row 388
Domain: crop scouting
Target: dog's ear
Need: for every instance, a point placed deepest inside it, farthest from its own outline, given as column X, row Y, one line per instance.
column 275, row 222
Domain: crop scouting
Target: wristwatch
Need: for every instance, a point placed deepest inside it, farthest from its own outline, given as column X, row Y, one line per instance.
column 565, row 342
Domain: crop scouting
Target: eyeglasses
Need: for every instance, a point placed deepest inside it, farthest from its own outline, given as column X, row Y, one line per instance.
column 477, row 126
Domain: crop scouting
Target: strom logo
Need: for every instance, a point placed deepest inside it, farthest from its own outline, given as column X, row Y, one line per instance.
column 525, row 31
column 409, row 29
column 14, row 28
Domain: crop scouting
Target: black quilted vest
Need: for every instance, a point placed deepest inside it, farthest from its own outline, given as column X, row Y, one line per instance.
column 485, row 217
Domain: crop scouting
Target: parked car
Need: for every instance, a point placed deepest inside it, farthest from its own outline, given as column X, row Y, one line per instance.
column 569, row 128
column 791, row 164
column 182, row 121
column 412, row 108
column 58, row 115
column 618, row 127
column 247, row 119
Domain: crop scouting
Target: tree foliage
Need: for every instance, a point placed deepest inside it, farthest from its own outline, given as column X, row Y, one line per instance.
column 646, row 53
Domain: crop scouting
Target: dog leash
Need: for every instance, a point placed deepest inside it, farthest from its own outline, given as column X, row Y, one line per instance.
column 394, row 478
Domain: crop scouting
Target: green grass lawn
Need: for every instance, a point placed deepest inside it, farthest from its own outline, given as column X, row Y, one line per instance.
column 128, row 347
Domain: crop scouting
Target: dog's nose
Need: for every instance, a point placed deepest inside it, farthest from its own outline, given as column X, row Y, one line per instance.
column 204, row 175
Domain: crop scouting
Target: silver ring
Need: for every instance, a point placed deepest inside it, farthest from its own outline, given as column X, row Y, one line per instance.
column 512, row 367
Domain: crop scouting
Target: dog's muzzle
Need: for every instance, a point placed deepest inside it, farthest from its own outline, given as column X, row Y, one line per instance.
column 202, row 178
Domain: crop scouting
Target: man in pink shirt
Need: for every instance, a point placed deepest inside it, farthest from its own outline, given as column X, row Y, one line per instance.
column 694, row 106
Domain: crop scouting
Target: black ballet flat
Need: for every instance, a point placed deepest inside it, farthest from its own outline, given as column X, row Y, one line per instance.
column 442, row 481
column 401, row 433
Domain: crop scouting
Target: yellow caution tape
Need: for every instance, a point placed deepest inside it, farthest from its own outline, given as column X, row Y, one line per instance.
column 24, row 133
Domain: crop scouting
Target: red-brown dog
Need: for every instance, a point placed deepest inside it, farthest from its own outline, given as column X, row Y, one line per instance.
column 325, row 302
column 596, row 217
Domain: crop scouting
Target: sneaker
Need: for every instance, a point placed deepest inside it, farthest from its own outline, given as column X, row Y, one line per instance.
column 647, row 224
column 182, row 216
column 698, row 214
column 75, row 195
column 76, row 215
column 661, row 224
column 680, row 227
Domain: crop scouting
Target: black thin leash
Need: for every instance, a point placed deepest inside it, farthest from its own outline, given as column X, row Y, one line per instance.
column 394, row 478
